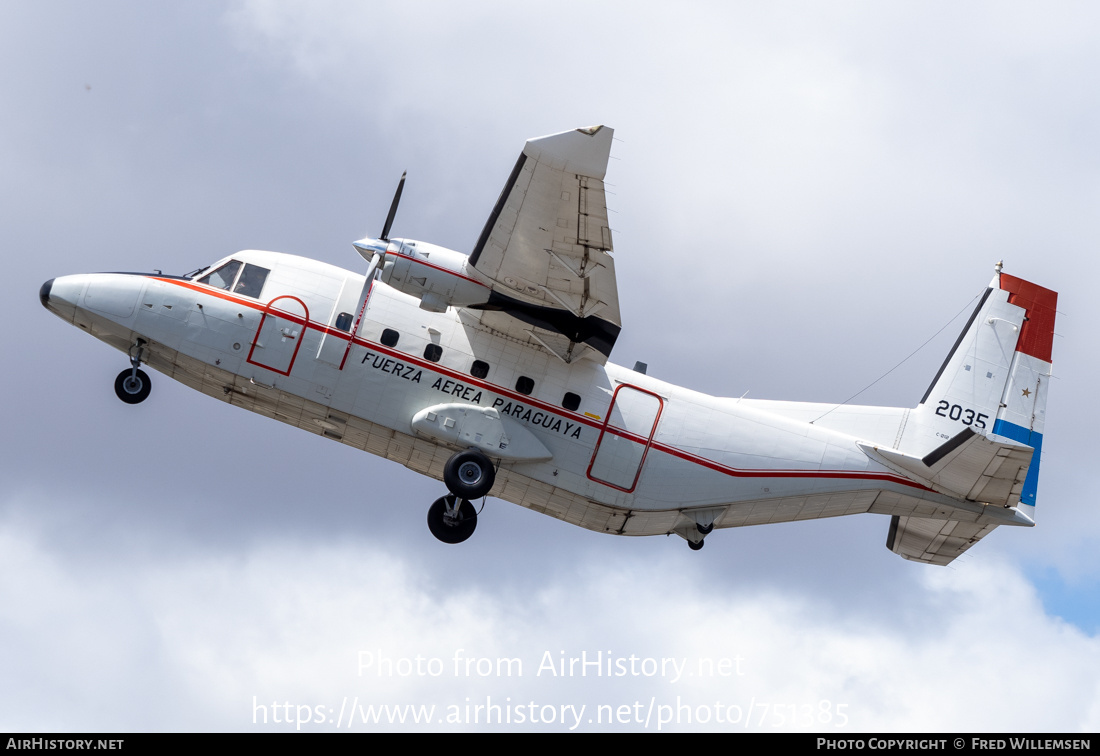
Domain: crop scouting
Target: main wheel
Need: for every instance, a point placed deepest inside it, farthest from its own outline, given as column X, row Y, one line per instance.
column 131, row 388
column 454, row 526
column 695, row 545
column 469, row 474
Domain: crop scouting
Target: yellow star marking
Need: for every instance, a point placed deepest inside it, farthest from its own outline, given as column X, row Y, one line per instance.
column 1027, row 392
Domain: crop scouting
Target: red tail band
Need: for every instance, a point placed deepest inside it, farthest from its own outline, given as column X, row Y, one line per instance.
column 1037, row 336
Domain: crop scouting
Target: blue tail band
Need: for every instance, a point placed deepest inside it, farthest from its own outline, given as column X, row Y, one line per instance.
column 1034, row 440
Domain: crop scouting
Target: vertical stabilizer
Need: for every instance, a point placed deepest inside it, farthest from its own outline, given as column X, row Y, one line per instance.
column 1022, row 413
column 994, row 381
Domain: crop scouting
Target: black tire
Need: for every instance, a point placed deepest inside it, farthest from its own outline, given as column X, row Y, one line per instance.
column 695, row 545
column 452, row 532
column 469, row 474
column 705, row 529
column 132, row 389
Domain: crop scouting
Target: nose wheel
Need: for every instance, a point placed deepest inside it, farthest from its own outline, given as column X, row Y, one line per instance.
column 132, row 386
column 451, row 519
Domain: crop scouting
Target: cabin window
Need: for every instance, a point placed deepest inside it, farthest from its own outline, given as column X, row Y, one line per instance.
column 343, row 321
column 390, row 337
column 571, row 401
column 525, row 385
column 433, row 352
column 222, row 278
column 251, row 282
column 479, row 369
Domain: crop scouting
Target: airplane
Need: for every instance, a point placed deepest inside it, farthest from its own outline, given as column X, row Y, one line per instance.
column 489, row 370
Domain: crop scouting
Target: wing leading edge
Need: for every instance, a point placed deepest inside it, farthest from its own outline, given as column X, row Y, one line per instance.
column 546, row 249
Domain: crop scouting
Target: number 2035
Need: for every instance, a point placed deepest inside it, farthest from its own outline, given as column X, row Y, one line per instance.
column 962, row 414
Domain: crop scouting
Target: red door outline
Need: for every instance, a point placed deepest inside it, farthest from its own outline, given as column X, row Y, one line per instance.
column 276, row 313
column 623, row 433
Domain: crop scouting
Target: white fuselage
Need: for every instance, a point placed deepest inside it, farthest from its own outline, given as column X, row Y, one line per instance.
column 630, row 454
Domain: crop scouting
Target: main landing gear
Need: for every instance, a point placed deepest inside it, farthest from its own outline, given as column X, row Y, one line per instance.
column 451, row 519
column 133, row 386
column 468, row 475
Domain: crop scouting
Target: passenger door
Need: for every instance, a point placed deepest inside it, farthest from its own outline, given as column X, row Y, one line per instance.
column 280, row 334
column 625, row 438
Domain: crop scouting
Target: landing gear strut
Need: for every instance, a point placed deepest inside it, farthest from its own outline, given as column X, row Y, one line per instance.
column 133, row 386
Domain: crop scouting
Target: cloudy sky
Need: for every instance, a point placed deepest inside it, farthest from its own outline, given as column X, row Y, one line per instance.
column 803, row 194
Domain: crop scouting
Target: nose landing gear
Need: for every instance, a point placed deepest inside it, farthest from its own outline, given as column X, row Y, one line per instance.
column 133, row 386
column 468, row 475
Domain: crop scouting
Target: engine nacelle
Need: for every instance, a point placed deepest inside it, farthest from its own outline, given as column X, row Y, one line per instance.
column 437, row 276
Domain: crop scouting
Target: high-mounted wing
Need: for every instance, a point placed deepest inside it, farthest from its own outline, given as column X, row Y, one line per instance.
column 546, row 249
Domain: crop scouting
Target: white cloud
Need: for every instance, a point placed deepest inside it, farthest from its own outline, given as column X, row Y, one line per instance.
column 286, row 622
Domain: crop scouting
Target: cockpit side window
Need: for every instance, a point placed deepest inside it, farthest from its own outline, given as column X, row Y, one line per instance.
column 250, row 283
column 222, row 278
column 252, row 280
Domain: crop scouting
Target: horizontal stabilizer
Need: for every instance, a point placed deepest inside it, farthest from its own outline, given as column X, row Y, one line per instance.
column 919, row 539
column 970, row 466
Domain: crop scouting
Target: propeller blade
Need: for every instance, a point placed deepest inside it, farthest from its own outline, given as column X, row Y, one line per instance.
column 393, row 209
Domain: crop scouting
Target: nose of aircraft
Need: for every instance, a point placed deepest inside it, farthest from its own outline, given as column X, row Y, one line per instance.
column 62, row 295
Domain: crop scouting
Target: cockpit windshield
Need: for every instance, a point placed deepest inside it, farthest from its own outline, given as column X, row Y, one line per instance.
column 222, row 278
column 248, row 281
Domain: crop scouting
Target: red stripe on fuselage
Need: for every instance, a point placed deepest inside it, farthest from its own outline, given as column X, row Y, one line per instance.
column 553, row 409
column 1037, row 335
